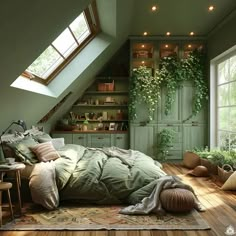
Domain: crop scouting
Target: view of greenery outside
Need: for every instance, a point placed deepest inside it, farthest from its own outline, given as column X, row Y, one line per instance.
column 226, row 104
column 60, row 48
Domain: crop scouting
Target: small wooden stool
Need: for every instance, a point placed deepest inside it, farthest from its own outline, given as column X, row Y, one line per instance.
column 5, row 186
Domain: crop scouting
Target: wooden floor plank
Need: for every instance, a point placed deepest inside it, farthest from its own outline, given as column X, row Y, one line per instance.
column 220, row 211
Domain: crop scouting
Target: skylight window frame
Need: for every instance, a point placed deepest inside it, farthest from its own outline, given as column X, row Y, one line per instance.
column 91, row 16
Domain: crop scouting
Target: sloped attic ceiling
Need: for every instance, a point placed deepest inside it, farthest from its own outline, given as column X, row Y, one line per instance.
column 29, row 27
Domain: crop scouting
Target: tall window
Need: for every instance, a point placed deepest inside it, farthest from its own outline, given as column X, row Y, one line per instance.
column 226, row 102
column 64, row 47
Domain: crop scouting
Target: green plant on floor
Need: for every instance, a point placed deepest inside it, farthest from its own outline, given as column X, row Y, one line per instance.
column 164, row 142
column 143, row 88
column 217, row 156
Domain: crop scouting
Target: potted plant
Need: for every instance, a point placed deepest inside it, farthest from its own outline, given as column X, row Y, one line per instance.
column 85, row 125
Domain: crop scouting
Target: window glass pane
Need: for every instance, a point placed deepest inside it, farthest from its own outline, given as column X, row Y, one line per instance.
column 80, row 28
column 65, row 43
column 223, row 95
column 232, row 98
column 223, row 118
column 223, row 72
column 223, row 140
column 232, row 141
column 233, row 68
column 232, row 123
column 44, row 62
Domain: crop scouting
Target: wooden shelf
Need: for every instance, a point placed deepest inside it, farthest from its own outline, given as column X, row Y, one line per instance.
column 104, row 120
column 106, row 92
column 90, row 131
column 110, row 78
column 98, row 106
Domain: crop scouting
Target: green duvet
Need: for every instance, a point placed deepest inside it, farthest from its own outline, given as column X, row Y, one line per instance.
column 105, row 176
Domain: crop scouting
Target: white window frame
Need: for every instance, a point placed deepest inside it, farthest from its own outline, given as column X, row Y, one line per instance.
column 214, row 94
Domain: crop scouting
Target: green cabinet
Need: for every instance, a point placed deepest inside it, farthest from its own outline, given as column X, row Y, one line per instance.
column 194, row 136
column 99, row 140
column 120, row 140
column 81, row 139
column 68, row 137
column 142, row 139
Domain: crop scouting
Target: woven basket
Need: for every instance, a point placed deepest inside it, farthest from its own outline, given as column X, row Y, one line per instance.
column 225, row 172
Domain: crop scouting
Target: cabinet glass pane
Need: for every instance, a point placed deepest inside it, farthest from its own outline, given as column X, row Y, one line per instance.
column 168, row 50
column 223, row 95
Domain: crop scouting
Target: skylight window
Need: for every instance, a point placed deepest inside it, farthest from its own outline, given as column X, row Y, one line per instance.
column 64, row 47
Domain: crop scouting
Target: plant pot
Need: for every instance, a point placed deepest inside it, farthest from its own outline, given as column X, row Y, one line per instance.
column 191, row 160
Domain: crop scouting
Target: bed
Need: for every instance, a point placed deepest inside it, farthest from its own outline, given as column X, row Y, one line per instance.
column 59, row 172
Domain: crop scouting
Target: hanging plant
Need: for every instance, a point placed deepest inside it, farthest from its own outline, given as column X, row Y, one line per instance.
column 169, row 73
column 194, row 68
column 143, row 88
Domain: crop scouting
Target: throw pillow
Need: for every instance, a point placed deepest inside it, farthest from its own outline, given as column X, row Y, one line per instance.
column 57, row 143
column 230, row 183
column 45, row 151
column 23, row 151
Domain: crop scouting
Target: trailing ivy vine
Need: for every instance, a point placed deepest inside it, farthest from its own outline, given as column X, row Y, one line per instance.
column 143, row 88
column 193, row 68
column 171, row 77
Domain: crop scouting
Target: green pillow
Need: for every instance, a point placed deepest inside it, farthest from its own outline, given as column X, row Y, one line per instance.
column 23, row 151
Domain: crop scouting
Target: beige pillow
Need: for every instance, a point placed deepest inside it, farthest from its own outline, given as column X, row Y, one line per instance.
column 45, row 151
column 230, row 183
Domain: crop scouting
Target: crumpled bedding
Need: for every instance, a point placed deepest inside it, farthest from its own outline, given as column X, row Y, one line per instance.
column 152, row 203
column 101, row 176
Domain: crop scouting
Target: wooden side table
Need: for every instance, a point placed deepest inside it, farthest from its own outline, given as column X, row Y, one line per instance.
column 16, row 168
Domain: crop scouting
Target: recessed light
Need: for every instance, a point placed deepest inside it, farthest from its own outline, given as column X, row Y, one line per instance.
column 191, row 33
column 189, row 46
column 154, row 8
column 145, row 33
column 166, row 46
column 142, row 62
column 143, row 46
column 211, row 8
column 168, row 33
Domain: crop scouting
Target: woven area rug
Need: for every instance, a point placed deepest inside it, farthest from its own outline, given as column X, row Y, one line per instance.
column 101, row 218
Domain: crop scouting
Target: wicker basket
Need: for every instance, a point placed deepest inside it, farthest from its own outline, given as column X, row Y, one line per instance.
column 225, row 172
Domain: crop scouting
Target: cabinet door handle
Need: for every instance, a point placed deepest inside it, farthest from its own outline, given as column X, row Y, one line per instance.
column 118, row 137
column 80, row 137
column 100, row 138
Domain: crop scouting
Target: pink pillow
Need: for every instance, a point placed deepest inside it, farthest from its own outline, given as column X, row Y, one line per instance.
column 45, row 151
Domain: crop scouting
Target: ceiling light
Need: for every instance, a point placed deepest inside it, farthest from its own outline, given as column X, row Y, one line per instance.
column 211, row 8
column 154, row 8
column 166, row 46
column 191, row 33
column 168, row 33
column 145, row 33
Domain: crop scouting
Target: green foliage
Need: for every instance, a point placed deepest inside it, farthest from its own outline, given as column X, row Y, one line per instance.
column 173, row 73
column 218, row 157
column 171, row 78
column 194, row 68
column 143, row 88
column 165, row 139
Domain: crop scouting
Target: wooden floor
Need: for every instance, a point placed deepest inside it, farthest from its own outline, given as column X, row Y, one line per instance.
column 220, row 211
